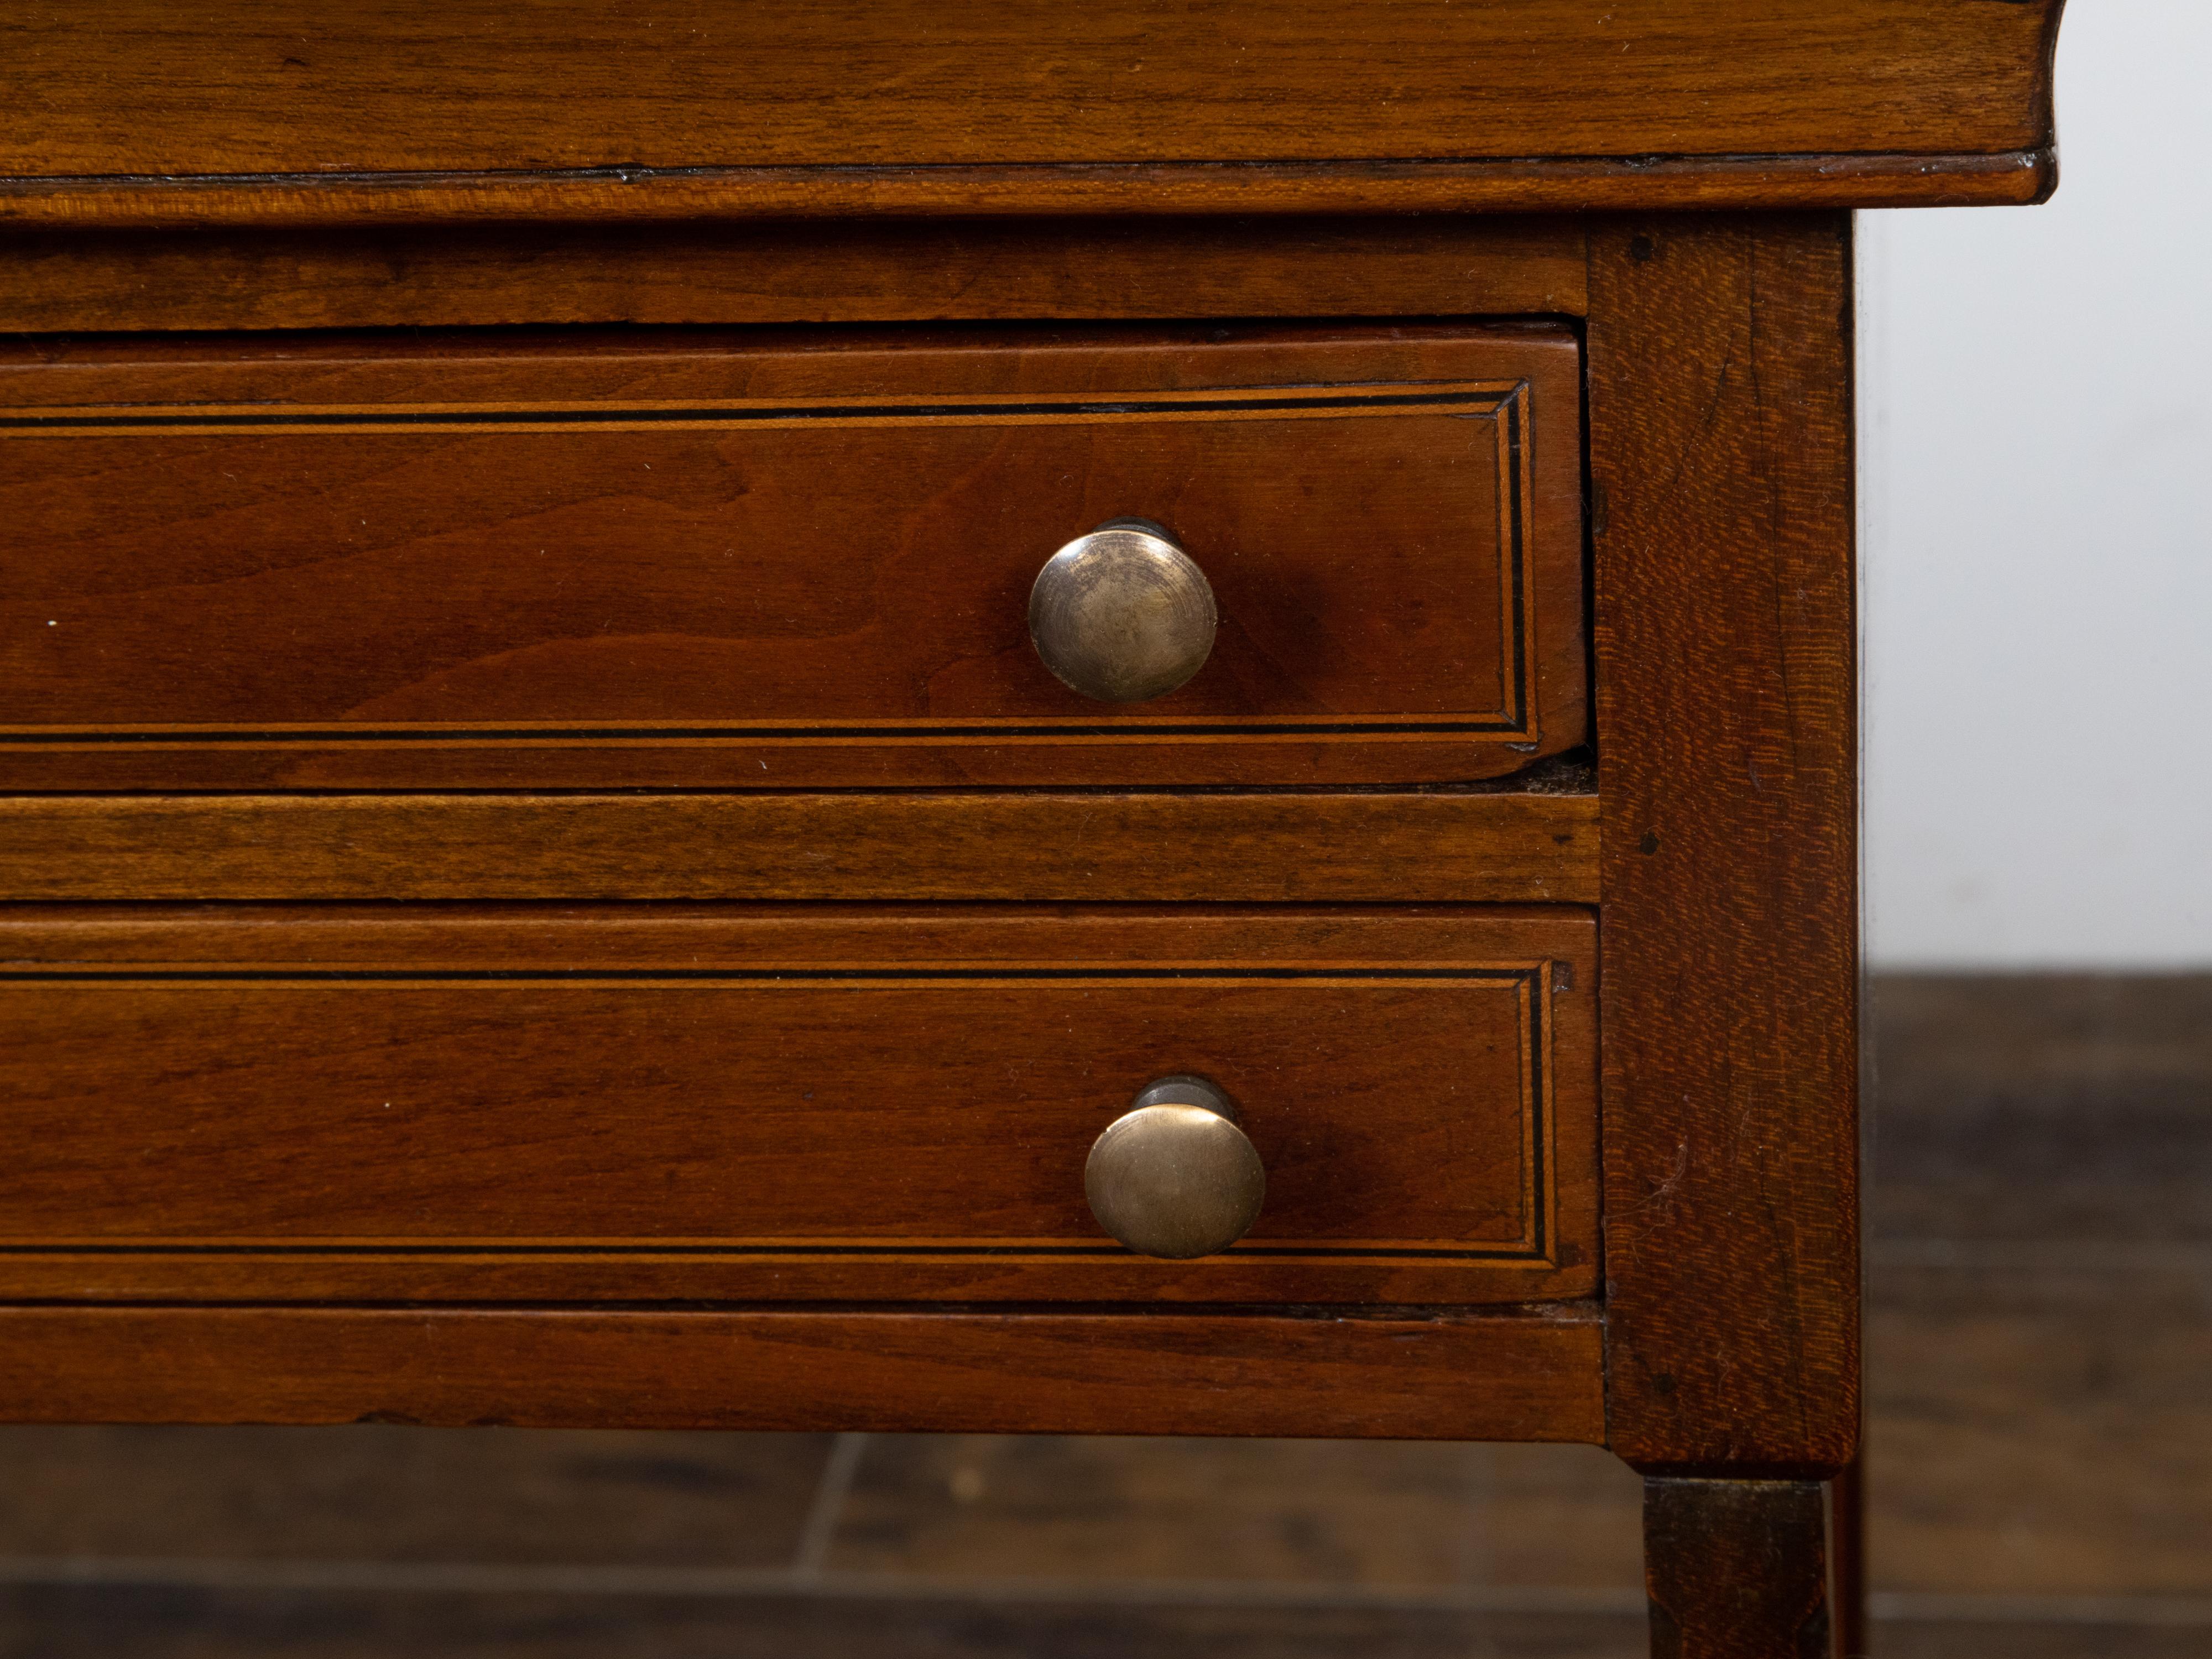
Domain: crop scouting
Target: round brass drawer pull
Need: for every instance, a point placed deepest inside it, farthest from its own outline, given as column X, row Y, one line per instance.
column 1122, row 614
column 1174, row 1175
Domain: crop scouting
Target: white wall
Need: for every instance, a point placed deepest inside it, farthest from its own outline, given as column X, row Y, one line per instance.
column 2036, row 434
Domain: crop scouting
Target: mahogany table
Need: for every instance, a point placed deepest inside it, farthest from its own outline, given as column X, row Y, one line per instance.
column 1126, row 718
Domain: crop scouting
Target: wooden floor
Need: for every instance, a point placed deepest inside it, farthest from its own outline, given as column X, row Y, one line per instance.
column 2041, row 1475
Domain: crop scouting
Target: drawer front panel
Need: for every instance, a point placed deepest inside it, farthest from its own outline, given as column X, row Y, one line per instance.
column 878, row 1105
column 658, row 560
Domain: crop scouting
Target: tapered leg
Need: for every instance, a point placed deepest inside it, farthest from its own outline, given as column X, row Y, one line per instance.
column 1847, row 1557
column 1736, row 1569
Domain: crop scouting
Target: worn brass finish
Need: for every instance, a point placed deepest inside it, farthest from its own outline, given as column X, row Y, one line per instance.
column 1174, row 1175
column 1122, row 614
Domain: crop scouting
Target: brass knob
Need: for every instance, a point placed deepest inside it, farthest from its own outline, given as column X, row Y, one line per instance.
column 1122, row 614
column 1174, row 1175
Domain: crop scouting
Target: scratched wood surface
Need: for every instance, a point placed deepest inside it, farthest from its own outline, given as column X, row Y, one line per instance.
column 1720, row 356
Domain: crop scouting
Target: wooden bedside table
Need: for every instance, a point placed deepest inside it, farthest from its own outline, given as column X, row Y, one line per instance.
column 1090, row 719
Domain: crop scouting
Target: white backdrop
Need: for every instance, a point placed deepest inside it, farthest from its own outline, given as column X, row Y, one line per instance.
column 2036, row 436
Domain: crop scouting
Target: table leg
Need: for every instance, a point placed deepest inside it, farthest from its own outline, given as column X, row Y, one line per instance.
column 1847, row 1557
column 1736, row 1569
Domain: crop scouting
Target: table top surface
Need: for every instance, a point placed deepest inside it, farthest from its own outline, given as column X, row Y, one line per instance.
column 404, row 110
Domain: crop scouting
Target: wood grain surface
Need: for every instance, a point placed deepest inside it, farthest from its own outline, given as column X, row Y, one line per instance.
column 830, row 106
column 738, row 1104
column 666, row 560
column 1736, row 1569
column 1498, row 1376
column 793, row 271
column 1312, row 847
column 1720, row 355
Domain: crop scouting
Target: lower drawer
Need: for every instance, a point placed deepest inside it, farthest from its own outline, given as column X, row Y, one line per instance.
column 695, row 1103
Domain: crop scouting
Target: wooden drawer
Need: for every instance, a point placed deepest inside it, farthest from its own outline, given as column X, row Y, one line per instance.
column 511, row 1104
column 670, row 558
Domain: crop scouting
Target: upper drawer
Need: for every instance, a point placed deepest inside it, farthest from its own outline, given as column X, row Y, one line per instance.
column 675, row 559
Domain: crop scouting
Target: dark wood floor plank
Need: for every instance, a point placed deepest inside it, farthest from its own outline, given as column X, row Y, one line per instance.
column 1986, row 1639
column 1289, row 1512
column 115, row 1622
column 377, row 1493
column 2046, row 1107
column 2046, row 1434
column 107, row 1620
